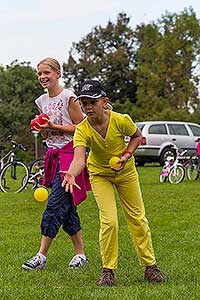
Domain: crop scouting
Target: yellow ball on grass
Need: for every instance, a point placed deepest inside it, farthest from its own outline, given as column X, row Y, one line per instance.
column 41, row 194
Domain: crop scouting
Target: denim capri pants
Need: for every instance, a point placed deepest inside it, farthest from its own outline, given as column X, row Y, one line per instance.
column 60, row 211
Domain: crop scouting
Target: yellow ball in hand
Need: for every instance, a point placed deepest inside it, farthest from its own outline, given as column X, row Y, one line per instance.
column 113, row 162
column 41, row 194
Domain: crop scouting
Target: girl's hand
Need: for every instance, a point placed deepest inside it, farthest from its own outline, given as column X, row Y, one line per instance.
column 38, row 126
column 122, row 162
column 48, row 124
column 121, row 166
column 35, row 125
column 69, row 181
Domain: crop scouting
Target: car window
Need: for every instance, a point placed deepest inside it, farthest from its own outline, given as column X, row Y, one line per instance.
column 195, row 130
column 158, row 129
column 140, row 126
column 177, row 129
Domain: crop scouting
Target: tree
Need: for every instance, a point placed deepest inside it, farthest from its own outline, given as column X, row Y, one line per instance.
column 18, row 89
column 106, row 54
column 166, row 62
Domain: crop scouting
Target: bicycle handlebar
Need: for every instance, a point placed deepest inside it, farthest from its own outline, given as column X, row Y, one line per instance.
column 23, row 147
column 20, row 146
column 8, row 138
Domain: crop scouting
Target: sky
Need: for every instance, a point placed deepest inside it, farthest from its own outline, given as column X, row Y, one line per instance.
column 31, row 30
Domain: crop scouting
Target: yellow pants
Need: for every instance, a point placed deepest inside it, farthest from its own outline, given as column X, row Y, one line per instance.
column 127, row 185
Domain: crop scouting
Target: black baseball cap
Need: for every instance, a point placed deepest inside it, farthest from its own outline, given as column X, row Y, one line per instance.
column 91, row 89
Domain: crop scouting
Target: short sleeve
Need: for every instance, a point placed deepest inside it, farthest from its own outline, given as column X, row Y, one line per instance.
column 70, row 94
column 80, row 138
column 127, row 125
column 38, row 102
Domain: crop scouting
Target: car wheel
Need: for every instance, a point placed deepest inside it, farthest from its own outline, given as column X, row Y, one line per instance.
column 165, row 153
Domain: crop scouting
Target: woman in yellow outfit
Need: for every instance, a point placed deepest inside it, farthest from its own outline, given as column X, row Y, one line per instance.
column 103, row 132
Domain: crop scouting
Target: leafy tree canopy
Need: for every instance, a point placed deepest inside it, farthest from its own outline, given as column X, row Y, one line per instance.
column 18, row 89
column 106, row 54
column 167, row 56
column 151, row 72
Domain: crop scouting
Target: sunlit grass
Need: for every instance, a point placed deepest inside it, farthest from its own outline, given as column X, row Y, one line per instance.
column 173, row 213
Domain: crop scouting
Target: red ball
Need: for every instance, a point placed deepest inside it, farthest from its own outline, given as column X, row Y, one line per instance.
column 41, row 118
column 34, row 125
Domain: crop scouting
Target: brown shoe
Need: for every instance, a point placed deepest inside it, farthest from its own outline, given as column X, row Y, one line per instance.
column 107, row 277
column 153, row 274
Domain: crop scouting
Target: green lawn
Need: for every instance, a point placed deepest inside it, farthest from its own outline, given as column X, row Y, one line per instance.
column 173, row 213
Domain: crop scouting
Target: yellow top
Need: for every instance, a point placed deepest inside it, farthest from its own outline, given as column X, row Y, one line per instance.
column 102, row 149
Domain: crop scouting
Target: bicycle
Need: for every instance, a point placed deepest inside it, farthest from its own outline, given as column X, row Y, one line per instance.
column 173, row 170
column 192, row 169
column 177, row 171
column 36, row 172
column 166, row 168
column 14, row 173
column 190, row 165
column 3, row 159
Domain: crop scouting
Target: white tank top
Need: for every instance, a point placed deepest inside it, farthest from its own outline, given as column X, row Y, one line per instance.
column 57, row 110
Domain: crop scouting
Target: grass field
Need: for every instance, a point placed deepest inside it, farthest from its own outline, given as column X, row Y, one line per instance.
column 173, row 213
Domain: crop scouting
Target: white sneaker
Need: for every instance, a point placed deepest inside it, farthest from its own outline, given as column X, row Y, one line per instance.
column 34, row 263
column 78, row 261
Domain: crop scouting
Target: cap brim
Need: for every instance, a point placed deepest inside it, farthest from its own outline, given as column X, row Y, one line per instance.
column 89, row 96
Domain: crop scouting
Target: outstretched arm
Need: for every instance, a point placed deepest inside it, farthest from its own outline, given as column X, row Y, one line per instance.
column 76, row 167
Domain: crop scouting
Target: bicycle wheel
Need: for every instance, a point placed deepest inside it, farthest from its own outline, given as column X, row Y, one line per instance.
column 36, row 165
column 163, row 178
column 36, row 173
column 164, row 173
column 192, row 171
column 176, row 174
column 14, row 177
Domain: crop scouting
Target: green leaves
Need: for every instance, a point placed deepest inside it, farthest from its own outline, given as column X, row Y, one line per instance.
column 150, row 72
column 166, row 60
column 106, row 54
column 152, row 69
column 18, row 90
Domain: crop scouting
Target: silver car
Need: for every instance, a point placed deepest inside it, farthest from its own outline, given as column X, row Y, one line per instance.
column 161, row 137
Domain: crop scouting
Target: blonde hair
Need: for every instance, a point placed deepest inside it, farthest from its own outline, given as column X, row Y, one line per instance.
column 52, row 63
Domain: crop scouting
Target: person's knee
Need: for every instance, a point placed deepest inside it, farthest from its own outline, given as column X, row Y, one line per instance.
column 72, row 223
column 72, row 230
column 49, row 230
column 50, row 224
column 137, row 213
column 111, row 224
